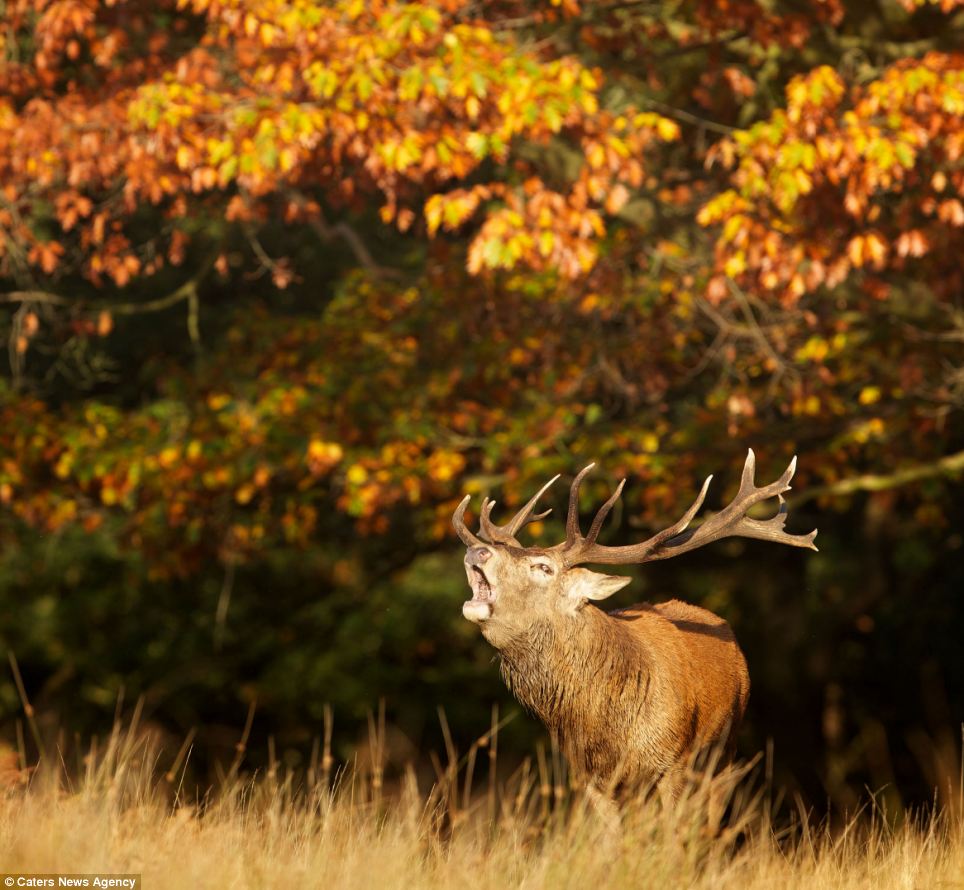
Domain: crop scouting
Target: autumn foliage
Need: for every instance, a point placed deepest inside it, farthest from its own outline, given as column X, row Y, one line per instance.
column 282, row 279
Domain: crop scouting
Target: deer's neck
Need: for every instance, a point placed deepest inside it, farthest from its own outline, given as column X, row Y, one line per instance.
column 570, row 671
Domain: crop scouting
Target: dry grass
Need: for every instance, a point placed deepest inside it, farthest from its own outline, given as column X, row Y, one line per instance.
column 123, row 815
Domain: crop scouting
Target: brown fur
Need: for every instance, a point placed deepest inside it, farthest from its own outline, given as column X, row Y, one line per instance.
column 632, row 695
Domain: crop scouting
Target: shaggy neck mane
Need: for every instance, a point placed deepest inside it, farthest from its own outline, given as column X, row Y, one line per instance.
column 547, row 669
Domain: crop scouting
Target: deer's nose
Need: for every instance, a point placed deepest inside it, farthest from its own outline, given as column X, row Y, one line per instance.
column 475, row 556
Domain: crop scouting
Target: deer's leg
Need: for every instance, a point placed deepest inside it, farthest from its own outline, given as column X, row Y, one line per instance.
column 711, row 793
column 670, row 787
column 716, row 807
column 605, row 808
column 720, row 779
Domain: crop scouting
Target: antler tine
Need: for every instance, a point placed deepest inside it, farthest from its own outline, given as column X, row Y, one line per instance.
column 573, row 531
column 487, row 528
column 505, row 534
column 748, row 486
column 603, row 512
column 683, row 522
column 772, row 529
column 458, row 520
column 749, row 494
column 749, row 472
column 575, row 544
column 524, row 517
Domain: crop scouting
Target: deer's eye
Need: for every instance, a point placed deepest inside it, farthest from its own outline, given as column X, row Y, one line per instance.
column 544, row 568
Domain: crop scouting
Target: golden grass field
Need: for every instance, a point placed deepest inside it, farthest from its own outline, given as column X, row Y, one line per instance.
column 122, row 814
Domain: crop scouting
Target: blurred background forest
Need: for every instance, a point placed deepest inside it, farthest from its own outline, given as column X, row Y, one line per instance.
column 281, row 280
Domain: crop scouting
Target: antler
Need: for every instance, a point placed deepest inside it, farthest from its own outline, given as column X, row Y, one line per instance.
column 499, row 534
column 461, row 529
column 731, row 521
column 506, row 534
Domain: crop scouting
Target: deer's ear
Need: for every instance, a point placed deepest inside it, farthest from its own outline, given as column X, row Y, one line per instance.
column 583, row 585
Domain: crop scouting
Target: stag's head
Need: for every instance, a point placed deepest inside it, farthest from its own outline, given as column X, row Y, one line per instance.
column 514, row 587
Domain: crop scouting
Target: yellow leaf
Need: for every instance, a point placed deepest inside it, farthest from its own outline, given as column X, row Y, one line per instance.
column 617, row 198
column 667, row 130
column 444, row 465
column 62, row 469
column 356, row 474
column 876, row 249
column 326, row 452
column 855, row 250
column 735, row 264
column 168, row 456
column 433, row 213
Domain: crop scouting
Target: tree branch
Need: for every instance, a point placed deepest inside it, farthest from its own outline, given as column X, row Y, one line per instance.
column 187, row 291
column 34, row 296
column 688, row 118
column 949, row 465
column 184, row 292
column 328, row 232
column 754, row 326
column 721, row 40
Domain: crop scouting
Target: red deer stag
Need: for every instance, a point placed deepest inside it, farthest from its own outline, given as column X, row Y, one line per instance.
column 630, row 695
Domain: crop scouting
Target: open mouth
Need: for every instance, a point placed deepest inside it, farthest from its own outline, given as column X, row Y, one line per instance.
column 481, row 589
column 479, row 608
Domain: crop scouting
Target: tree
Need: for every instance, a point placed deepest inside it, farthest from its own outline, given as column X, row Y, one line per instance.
column 285, row 279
